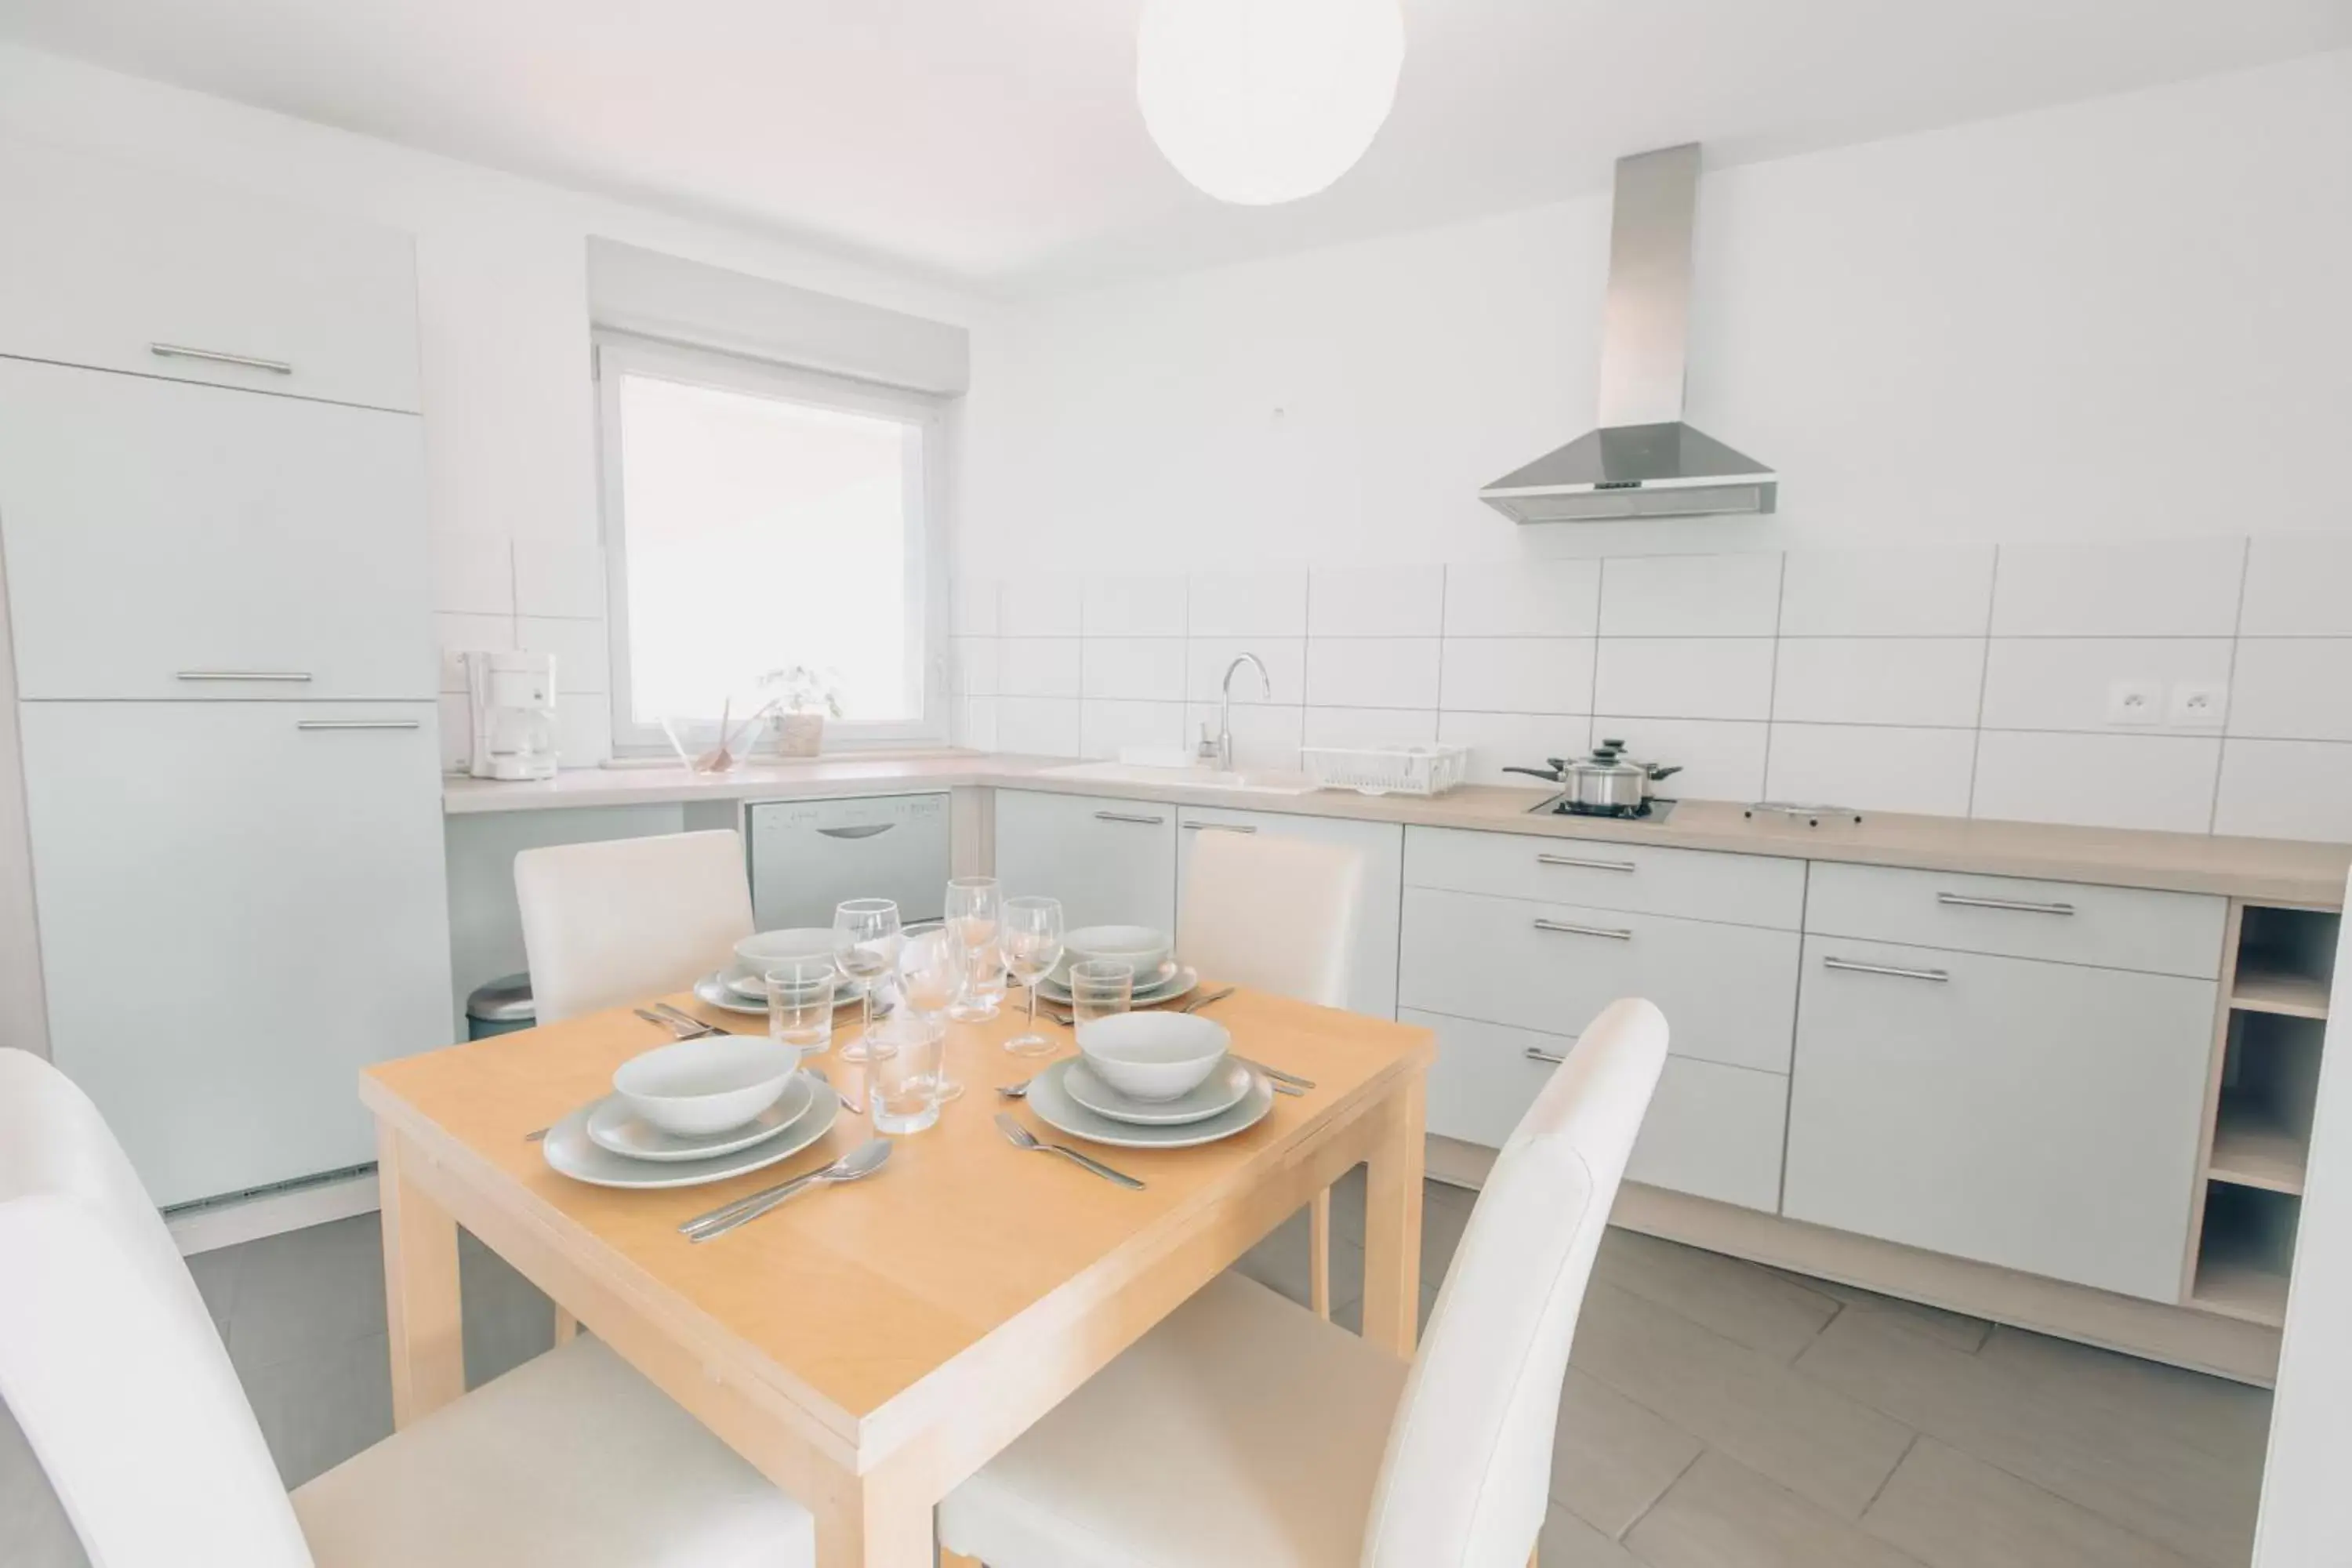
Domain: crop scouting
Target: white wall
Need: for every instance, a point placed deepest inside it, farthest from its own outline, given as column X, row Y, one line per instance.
column 502, row 296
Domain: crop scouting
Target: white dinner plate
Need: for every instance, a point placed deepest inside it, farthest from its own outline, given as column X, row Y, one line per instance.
column 572, row 1153
column 612, row 1125
column 713, row 991
column 1223, row 1089
column 749, row 987
column 1055, row 1109
column 1176, row 981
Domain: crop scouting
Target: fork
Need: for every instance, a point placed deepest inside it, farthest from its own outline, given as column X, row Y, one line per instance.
column 1022, row 1138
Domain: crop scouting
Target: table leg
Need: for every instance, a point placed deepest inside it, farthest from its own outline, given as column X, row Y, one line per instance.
column 567, row 1327
column 1318, row 1255
column 870, row 1523
column 1392, row 1223
column 423, row 1314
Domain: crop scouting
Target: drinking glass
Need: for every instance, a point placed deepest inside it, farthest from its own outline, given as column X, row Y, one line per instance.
column 1100, row 988
column 975, row 911
column 930, row 978
column 1033, row 945
column 902, row 1074
column 864, row 946
column 800, row 1005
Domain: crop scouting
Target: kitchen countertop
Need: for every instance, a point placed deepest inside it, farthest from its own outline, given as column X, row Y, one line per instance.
column 2273, row 871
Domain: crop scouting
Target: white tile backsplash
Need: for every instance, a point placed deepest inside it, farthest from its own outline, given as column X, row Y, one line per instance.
column 1720, row 761
column 2292, row 689
column 2285, row 789
column 472, row 574
column 1879, row 680
column 1040, row 604
column 2298, row 587
column 1372, row 673
column 1685, row 677
column 1872, row 767
column 972, row 606
column 1038, row 666
column 1150, row 669
column 558, row 577
column 457, row 734
column 2063, row 683
column 1517, row 675
column 582, row 663
column 1208, row 658
column 1933, row 591
column 1514, row 739
column 1690, row 595
column 1264, row 737
column 469, row 634
column 1037, row 726
column 1375, row 601
column 1524, row 599
column 584, row 728
column 2160, row 781
column 1104, row 726
column 974, row 723
column 2186, row 588
column 972, row 666
column 1247, row 604
column 1133, row 607
column 1370, row 727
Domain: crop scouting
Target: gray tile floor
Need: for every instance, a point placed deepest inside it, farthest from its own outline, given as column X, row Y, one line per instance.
column 1715, row 1415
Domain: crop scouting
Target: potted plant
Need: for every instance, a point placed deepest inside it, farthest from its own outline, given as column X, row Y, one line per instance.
column 804, row 697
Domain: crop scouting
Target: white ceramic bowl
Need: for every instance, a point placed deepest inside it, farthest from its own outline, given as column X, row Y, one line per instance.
column 1153, row 1056
column 1141, row 948
column 757, row 953
column 706, row 1085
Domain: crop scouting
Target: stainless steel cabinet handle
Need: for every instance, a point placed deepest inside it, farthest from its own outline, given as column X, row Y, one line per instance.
column 1217, row 827
column 1537, row 1054
column 181, row 350
column 2022, row 906
column 243, row 675
column 358, row 723
column 1125, row 817
column 1585, row 864
column 1853, row 967
column 1611, row 933
column 857, row 830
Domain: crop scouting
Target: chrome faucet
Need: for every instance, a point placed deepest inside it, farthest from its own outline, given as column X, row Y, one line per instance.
column 1226, row 706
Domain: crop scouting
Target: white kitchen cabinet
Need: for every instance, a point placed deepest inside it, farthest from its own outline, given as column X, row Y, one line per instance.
column 1373, row 971
column 2043, row 1117
column 2065, row 922
column 241, row 905
column 170, row 541
column 1712, row 1130
column 1110, row 862
column 133, row 269
column 1702, row 884
column 1729, row 991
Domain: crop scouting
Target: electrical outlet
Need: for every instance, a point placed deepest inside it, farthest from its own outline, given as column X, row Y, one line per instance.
column 2200, row 704
column 2136, row 702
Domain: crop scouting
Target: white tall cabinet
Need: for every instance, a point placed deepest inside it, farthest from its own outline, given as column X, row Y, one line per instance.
column 212, row 509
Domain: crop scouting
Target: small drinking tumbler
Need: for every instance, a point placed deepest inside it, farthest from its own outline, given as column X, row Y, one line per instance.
column 1100, row 987
column 902, row 1073
column 800, row 1005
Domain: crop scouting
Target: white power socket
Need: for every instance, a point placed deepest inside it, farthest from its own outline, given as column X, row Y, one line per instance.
column 2200, row 704
column 2136, row 702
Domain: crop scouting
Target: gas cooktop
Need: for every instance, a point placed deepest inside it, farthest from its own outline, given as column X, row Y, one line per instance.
column 1655, row 809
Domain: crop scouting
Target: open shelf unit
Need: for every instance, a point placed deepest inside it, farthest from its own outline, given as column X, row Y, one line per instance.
column 2276, row 972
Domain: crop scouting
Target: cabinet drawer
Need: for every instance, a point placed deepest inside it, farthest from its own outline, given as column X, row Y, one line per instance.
column 108, row 264
column 2043, row 1117
column 1744, row 889
column 259, row 547
column 1729, row 993
column 2065, row 922
column 1712, row 1130
column 1110, row 861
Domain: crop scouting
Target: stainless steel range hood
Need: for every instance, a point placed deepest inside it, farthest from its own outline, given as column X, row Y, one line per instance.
column 1643, row 461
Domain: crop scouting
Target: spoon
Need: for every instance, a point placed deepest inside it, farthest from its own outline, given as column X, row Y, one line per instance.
column 855, row 1165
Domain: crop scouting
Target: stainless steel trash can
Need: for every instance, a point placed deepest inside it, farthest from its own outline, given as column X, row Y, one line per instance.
column 500, row 1007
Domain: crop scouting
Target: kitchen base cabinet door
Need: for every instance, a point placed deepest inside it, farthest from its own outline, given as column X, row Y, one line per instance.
column 1712, row 1130
column 1373, row 967
column 1110, row 862
column 2043, row 1117
column 241, row 906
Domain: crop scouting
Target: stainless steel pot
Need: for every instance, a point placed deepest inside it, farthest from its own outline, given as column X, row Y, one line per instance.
column 1607, row 781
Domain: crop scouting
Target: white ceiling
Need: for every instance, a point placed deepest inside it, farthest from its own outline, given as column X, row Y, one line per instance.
column 996, row 141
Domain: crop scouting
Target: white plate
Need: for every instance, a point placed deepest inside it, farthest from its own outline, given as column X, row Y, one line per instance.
column 712, row 990
column 611, row 1125
column 1177, row 981
column 755, row 987
column 1055, row 1109
column 1222, row 1089
column 568, row 1149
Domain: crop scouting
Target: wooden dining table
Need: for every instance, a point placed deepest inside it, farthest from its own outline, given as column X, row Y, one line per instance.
column 868, row 1346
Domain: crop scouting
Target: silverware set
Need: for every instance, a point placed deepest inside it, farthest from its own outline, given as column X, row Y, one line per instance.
column 855, row 1165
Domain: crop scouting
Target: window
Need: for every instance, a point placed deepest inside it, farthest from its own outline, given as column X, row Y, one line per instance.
column 758, row 518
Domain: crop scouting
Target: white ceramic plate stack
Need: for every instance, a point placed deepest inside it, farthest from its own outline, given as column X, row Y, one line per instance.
column 694, row 1111
column 742, row 986
column 1152, row 1080
column 1169, row 981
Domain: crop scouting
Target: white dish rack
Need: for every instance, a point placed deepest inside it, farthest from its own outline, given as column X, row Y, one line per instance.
column 1387, row 770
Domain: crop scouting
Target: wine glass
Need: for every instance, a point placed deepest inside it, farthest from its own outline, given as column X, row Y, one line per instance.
column 864, row 947
column 974, row 912
column 932, row 973
column 1033, row 945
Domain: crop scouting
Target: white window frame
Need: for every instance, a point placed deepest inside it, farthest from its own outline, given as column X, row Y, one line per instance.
column 927, row 488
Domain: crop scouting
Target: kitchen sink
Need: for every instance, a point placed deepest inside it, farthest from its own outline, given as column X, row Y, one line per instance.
column 1254, row 783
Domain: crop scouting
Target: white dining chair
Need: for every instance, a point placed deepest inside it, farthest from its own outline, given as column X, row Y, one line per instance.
column 1244, row 1429
column 110, row 1364
column 1279, row 914
column 621, row 920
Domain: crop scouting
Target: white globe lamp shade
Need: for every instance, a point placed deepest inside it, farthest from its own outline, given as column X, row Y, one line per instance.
column 1259, row 101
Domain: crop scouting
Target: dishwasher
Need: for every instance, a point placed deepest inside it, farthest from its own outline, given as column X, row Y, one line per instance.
column 808, row 855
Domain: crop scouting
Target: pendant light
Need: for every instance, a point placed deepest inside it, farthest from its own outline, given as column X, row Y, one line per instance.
column 1260, row 102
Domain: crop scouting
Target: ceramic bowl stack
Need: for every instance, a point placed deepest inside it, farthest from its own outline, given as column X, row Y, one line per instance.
column 742, row 986
column 1152, row 1081
column 693, row 1111
column 1158, row 978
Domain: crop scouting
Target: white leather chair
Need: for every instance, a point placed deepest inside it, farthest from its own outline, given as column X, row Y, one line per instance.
column 610, row 922
column 1245, row 1430
column 110, row 1364
column 1279, row 914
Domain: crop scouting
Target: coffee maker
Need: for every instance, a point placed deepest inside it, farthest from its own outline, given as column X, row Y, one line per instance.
column 511, row 697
